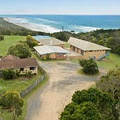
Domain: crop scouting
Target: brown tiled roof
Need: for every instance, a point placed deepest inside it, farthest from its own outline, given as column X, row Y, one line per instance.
column 18, row 63
column 85, row 45
column 10, row 57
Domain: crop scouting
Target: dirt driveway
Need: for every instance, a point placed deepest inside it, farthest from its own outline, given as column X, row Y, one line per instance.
column 49, row 101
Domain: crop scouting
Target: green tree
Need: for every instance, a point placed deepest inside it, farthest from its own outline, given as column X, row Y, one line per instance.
column 21, row 50
column 13, row 102
column 31, row 41
column 90, row 104
column 8, row 74
column 110, row 83
column 89, row 66
column 101, row 42
column 84, row 111
column 109, row 42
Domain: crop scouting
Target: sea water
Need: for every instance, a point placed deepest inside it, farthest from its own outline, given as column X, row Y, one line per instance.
column 77, row 23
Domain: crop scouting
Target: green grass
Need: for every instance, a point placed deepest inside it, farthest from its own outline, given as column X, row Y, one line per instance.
column 19, row 84
column 8, row 116
column 111, row 63
column 9, row 41
column 114, row 60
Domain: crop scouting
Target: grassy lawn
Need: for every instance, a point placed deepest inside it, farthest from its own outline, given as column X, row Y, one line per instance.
column 114, row 60
column 19, row 84
column 9, row 41
column 8, row 116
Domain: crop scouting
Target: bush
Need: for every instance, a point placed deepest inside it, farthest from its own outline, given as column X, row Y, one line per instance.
column 21, row 50
column 89, row 66
column 9, row 74
column 1, row 37
column 31, row 41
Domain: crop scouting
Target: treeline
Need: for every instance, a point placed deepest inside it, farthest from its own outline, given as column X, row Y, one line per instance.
column 107, row 38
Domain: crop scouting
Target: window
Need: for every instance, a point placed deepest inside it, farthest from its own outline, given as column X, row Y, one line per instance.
column 21, row 69
column 60, row 55
column 32, row 68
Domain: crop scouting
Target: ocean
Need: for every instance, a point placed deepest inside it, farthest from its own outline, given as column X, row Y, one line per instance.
column 55, row 23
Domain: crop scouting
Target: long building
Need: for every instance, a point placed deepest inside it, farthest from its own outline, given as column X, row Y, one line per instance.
column 87, row 49
column 54, row 52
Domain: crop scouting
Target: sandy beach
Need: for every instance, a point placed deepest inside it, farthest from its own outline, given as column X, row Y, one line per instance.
column 32, row 26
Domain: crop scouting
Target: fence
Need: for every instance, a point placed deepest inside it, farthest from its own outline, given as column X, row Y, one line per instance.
column 35, row 84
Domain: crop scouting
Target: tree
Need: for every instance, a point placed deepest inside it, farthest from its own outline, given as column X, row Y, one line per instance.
column 90, row 104
column 84, row 111
column 9, row 74
column 101, row 42
column 89, row 66
column 21, row 50
column 31, row 41
column 13, row 102
column 110, row 83
column 1, row 37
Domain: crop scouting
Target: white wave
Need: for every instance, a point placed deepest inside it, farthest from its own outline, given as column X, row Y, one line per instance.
column 32, row 26
column 84, row 28
column 47, row 21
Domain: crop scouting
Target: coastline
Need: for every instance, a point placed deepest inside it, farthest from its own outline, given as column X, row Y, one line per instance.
column 31, row 26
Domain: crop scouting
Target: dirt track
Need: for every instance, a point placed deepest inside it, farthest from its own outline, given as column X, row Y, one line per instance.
column 49, row 101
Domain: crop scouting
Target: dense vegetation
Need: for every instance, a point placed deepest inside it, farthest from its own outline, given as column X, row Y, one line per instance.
column 110, row 83
column 12, row 102
column 90, row 104
column 89, row 66
column 31, row 41
column 20, row 50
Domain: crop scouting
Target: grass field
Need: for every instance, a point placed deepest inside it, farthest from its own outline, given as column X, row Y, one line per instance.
column 19, row 84
column 8, row 116
column 112, row 62
column 9, row 41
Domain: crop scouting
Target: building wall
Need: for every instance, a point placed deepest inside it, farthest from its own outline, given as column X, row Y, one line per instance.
column 87, row 54
column 55, row 56
column 28, row 70
column 95, row 54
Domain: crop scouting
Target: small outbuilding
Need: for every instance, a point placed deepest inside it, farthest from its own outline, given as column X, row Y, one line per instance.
column 54, row 52
column 88, row 49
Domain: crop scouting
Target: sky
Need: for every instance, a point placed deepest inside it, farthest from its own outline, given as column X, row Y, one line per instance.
column 67, row 7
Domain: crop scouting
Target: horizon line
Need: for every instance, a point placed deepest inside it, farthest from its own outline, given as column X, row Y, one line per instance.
column 60, row 14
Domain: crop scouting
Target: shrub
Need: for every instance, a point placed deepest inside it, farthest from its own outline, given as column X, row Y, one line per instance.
column 21, row 50
column 12, row 101
column 9, row 74
column 31, row 41
column 1, row 37
column 89, row 66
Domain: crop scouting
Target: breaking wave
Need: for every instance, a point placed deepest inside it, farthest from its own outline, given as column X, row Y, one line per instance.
column 33, row 26
column 84, row 28
column 47, row 21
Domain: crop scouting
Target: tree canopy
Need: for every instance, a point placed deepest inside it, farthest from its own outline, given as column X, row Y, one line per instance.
column 21, row 50
column 13, row 101
column 89, row 66
column 90, row 104
column 31, row 41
